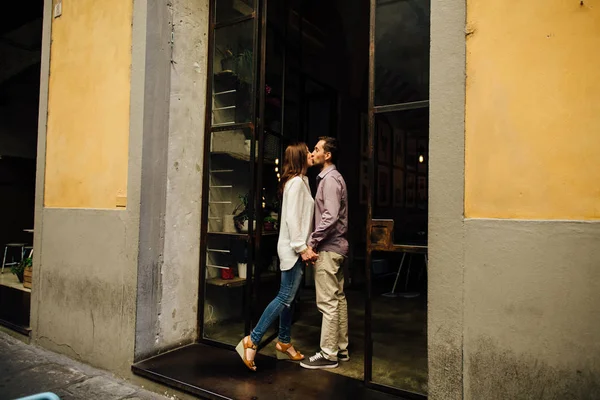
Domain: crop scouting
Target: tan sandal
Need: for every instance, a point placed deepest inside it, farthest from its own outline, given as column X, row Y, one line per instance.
column 283, row 352
column 243, row 345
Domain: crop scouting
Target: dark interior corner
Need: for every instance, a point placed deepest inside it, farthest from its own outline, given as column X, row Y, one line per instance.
column 20, row 52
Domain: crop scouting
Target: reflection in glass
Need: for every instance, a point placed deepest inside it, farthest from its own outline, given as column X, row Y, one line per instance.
column 224, row 294
column 399, row 322
column 267, row 261
column 274, row 81
column 233, row 74
column 401, row 179
column 228, row 10
column 226, row 265
column 401, row 51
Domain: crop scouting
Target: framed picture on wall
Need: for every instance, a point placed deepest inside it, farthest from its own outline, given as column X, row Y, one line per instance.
column 384, row 141
column 399, row 138
column 411, row 154
column 398, row 187
column 422, row 192
column 383, row 186
column 364, row 135
column 411, row 189
column 364, row 180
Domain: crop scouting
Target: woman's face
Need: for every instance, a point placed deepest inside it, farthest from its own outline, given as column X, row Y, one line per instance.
column 309, row 158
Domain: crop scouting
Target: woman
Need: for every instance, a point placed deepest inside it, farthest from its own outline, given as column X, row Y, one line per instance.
column 296, row 225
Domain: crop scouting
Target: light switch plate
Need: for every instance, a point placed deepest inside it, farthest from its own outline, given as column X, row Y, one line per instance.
column 58, row 9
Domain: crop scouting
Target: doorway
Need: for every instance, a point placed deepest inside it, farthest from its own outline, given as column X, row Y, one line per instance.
column 293, row 71
column 20, row 52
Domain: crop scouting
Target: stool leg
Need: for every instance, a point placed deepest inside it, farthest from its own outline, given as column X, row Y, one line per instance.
column 398, row 274
column 392, row 293
column 4, row 259
column 426, row 267
column 408, row 274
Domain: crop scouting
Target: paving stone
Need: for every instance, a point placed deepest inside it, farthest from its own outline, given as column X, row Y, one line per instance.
column 27, row 370
column 7, row 345
column 100, row 387
column 18, row 360
column 43, row 378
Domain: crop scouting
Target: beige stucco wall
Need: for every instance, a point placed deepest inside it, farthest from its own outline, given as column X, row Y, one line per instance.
column 88, row 105
column 85, row 259
column 532, row 110
column 532, row 201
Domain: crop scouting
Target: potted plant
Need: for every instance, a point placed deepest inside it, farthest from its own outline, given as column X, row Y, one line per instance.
column 27, row 272
column 241, row 218
column 19, row 269
column 269, row 224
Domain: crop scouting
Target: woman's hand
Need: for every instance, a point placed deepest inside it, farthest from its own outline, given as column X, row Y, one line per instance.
column 308, row 255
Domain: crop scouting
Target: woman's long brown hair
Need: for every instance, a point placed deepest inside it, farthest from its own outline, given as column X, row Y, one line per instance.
column 294, row 164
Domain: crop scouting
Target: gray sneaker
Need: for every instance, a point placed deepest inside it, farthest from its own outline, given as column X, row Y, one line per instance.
column 345, row 356
column 318, row 361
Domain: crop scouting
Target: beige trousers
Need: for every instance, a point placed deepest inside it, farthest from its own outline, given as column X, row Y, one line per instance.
column 331, row 302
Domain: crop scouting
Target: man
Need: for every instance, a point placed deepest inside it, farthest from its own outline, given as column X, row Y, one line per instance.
column 330, row 241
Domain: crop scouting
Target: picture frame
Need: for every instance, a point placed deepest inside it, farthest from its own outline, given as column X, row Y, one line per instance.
column 422, row 192
column 411, row 154
column 384, row 142
column 398, row 193
column 411, row 190
column 383, row 186
column 399, row 148
column 364, row 135
column 364, row 182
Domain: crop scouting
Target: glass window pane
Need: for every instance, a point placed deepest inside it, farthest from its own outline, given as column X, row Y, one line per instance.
column 226, row 264
column 229, row 181
column 401, row 173
column 228, row 10
column 401, row 51
column 274, row 81
column 399, row 321
column 233, row 74
column 225, row 288
column 267, row 261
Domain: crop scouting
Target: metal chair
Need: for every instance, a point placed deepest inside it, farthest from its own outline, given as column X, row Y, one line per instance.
column 12, row 246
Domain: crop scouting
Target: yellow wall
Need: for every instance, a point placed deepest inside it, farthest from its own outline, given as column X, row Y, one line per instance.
column 533, row 109
column 88, row 104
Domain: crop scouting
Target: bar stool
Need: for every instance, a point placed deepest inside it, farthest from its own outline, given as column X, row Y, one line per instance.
column 27, row 252
column 410, row 250
column 12, row 247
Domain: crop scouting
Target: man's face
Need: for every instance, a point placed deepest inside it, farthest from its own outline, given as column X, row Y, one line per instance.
column 319, row 155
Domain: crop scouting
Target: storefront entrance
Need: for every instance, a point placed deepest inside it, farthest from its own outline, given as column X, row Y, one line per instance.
column 290, row 71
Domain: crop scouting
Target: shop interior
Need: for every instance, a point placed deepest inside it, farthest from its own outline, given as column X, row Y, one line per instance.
column 20, row 52
column 316, row 83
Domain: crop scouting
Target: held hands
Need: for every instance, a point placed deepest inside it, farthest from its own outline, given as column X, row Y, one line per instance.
column 309, row 256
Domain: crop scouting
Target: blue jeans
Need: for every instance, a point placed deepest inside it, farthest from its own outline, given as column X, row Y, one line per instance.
column 281, row 306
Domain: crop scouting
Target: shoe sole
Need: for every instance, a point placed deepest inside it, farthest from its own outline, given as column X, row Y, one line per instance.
column 284, row 356
column 318, row 367
column 344, row 359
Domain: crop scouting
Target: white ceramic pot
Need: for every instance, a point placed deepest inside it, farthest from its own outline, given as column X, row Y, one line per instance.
column 242, row 270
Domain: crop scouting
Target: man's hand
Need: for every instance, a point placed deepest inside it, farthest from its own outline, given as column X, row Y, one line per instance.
column 309, row 255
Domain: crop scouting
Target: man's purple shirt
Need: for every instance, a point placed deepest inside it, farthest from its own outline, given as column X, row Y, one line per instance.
column 331, row 213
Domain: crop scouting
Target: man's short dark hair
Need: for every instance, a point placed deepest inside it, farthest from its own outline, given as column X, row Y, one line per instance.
column 330, row 146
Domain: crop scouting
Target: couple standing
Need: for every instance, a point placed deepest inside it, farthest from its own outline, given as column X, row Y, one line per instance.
column 326, row 248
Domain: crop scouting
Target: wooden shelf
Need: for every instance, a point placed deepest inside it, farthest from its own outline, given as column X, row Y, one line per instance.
column 235, row 282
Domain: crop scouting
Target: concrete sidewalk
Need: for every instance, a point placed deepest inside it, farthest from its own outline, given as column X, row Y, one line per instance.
column 27, row 370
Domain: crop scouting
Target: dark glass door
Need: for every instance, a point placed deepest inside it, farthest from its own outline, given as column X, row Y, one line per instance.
column 242, row 156
column 396, row 262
